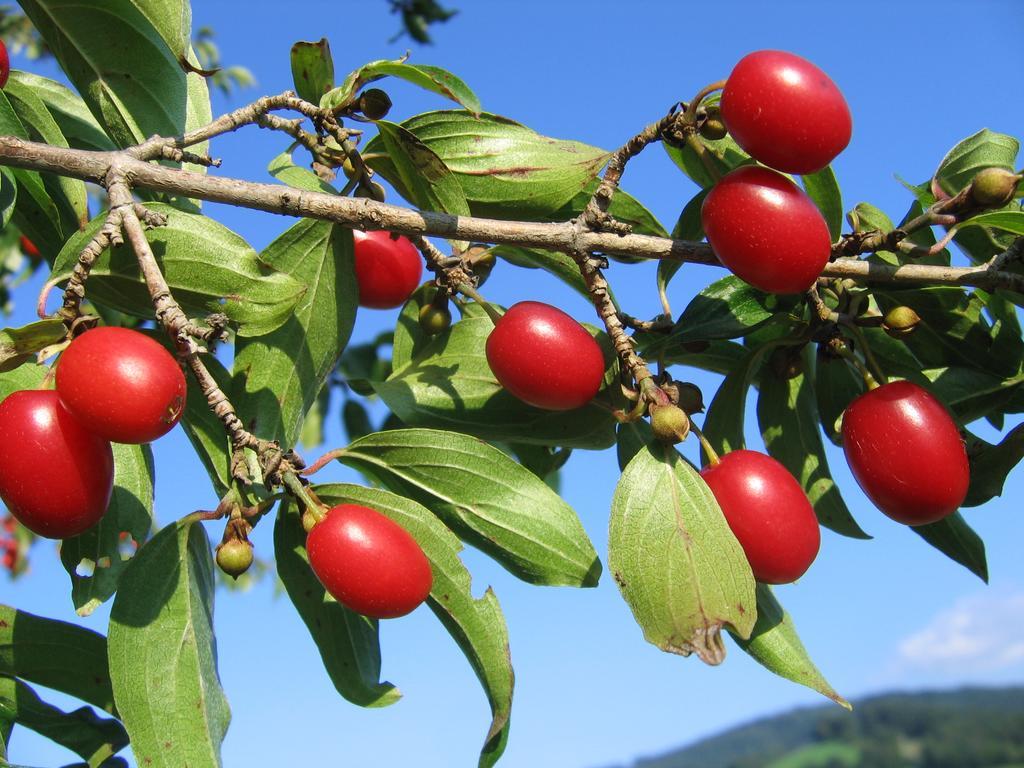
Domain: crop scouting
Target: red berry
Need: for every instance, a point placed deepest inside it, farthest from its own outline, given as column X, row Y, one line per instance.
column 544, row 357
column 768, row 513
column 28, row 247
column 55, row 475
column 121, row 384
column 785, row 112
column 388, row 269
column 5, row 64
column 905, row 451
column 368, row 562
column 766, row 230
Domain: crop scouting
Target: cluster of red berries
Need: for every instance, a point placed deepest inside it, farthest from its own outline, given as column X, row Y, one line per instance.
column 56, row 464
column 787, row 114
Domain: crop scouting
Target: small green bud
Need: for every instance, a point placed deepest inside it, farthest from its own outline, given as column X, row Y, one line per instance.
column 994, row 187
column 348, row 168
column 374, row 104
column 900, row 321
column 234, row 557
column 435, row 319
column 670, row 423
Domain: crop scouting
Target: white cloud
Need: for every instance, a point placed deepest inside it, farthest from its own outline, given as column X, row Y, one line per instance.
column 980, row 633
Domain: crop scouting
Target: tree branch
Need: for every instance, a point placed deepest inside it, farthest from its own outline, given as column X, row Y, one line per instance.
column 364, row 213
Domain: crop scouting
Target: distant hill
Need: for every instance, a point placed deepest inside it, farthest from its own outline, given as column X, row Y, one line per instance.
column 967, row 728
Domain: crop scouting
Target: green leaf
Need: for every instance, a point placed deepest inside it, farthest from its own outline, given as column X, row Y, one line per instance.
column 953, row 330
column 970, row 394
column 478, row 626
column 198, row 113
column 88, row 736
column 278, row 376
column 134, row 86
column 505, row 169
column 631, row 437
column 723, row 423
column 716, row 356
column 990, row 464
column 1007, row 221
column 36, row 215
column 422, row 176
column 424, row 76
column 724, row 154
column 787, row 413
column 57, row 655
column 163, row 656
column 984, row 149
column 775, row 645
column 172, row 19
column 726, row 309
column 69, row 194
column 348, row 642
column 312, row 69
column 486, row 498
column 208, row 267
column 8, row 196
column 677, row 564
column 836, row 385
column 20, row 345
column 205, row 431
column 76, row 122
column 554, row 262
column 823, row 189
column 284, row 169
column 99, row 553
column 449, row 385
column 957, row 540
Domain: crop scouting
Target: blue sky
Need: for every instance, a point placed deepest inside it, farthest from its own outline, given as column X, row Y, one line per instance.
column 875, row 615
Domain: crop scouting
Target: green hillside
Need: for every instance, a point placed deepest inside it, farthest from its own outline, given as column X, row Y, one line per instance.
column 967, row 728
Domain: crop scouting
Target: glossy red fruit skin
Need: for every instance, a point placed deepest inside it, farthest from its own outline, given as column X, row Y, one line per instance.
column 387, row 270
column 368, row 562
column 121, row 384
column 28, row 247
column 55, row 475
column 544, row 357
column 5, row 64
column 906, row 453
column 766, row 230
column 768, row 512
column 785, row 112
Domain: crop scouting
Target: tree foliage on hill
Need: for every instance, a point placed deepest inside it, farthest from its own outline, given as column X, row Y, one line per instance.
column 968, row 728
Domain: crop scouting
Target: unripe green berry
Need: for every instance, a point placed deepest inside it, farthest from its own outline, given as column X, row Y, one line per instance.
column 234, row 557
column 374, row 191
column 900, row 321
column 348, row 168
column 994, row 187
column 374, row 104
column 435, row 319
column 670, row 423
column 713, row 129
